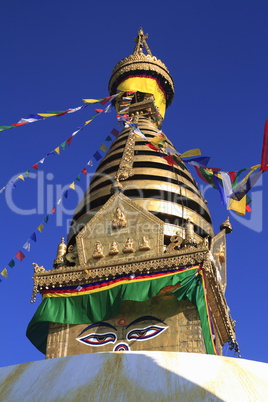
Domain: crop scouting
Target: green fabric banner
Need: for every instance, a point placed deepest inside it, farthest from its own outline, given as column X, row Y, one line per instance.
column 105, row 304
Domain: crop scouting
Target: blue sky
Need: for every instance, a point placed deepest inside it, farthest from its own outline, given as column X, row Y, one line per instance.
column 54, row 54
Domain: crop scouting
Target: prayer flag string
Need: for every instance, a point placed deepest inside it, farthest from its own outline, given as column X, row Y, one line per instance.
column 33, row 237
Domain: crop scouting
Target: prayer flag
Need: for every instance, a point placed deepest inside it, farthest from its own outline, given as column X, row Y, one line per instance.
column 88, row 121
column 157, row 140
column 103, row 148
column 57, row 150
column 21, row 177
column 19, row 124
column 20, row 256
column 63, row 145
column 97, row 156
column 92, row 100
column 46, row 219
column 84, row 171
column 27, row 173
column 264, row 156
column 72, row 186
column 33, row 237
column 247, row 183
column 76, row 132
column 62, row 113
column 105, row 100
column 42, row 160
column 107, row 109
column 69, row 140
column 90, row 163
column 178, row 162
column 53, row 210
column 4, row 273
column 138, row 133
column 115, row 132
column 27, row 246
column 98, row 110
column 59, row 201
column 108, row 138
column 238, row 206
column 65, row 194
column 77, row 178
column 11, row 264
column 191, row 152
column 40, row 228
column 35, row 166
column 2, row 128
column 202, row 160
column 75, row 109
column 152, row 147
column 227, row 187
column 170, row 160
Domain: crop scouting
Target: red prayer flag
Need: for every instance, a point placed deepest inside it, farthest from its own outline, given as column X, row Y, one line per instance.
column 152, row 147
column 20, row 256
column 105, row 100
column 35, row 166
column 170, row 160
column 232, row 176
column 61, row 114
column 69, row 140
column 19, row 124
column 248, row 208
column 98, row 110
column 264, row 156
column 53, row 210
column 84, row 171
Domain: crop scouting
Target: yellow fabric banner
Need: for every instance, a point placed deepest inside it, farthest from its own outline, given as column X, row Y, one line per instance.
column 57, row 150
column 72, row 186
column 4, row 273
column 238, row 206
column 191, row 152
column 21, row 177
column 146, row 85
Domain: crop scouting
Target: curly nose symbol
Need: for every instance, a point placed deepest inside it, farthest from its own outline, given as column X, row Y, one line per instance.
column 121, row 347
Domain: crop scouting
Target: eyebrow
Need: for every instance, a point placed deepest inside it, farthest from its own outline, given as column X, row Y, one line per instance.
column 146, row 317
column 98, row 324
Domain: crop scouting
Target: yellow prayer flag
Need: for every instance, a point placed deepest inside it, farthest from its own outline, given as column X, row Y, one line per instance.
column 157, row 140
column 87, row 122
column 191, row 152
column 90, row 100
column 72, row 185
column 46, row 114
column 4, row 273
column 57, row 150
column 238, row 206
column 40, row 227
column 20, row 177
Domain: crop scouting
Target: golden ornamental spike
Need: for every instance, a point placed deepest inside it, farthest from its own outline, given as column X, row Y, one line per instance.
column 226, row 225
column 62, row 248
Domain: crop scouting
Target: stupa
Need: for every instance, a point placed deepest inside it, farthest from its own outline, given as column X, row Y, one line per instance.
column 142, row 269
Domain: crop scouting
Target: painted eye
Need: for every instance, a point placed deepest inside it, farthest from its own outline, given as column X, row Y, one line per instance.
column 98, row 339
column 143, row 334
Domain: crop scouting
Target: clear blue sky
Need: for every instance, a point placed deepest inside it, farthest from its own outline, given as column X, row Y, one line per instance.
column 55, row 53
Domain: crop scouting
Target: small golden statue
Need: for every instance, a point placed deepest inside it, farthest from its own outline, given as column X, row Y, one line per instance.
column 119, row 220
column 144, row 244
column 98, row 252
column 38, row 268
column 221, row 254
column 128, row 246
column 113, row 249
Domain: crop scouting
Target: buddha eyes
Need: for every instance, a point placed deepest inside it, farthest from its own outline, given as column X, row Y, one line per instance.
column 98, row 339
column 145, row 333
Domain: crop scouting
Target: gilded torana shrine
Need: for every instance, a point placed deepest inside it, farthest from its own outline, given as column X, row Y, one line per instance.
column 134, row 302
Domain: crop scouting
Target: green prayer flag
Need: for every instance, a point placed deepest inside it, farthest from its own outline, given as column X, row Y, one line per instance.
column 46, row 219
column 77, row 178
column 63, row 145
column 108, row 138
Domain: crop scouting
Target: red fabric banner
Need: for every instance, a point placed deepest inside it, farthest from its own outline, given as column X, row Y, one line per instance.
column 264, row 156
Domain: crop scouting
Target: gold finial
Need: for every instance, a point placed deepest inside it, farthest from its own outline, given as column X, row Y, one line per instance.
column 226, row 225
column 141, row 41
column 62, row 248
column 189, row 234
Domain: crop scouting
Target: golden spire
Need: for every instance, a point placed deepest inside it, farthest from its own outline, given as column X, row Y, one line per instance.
column 138, row 63
column 141, row 42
